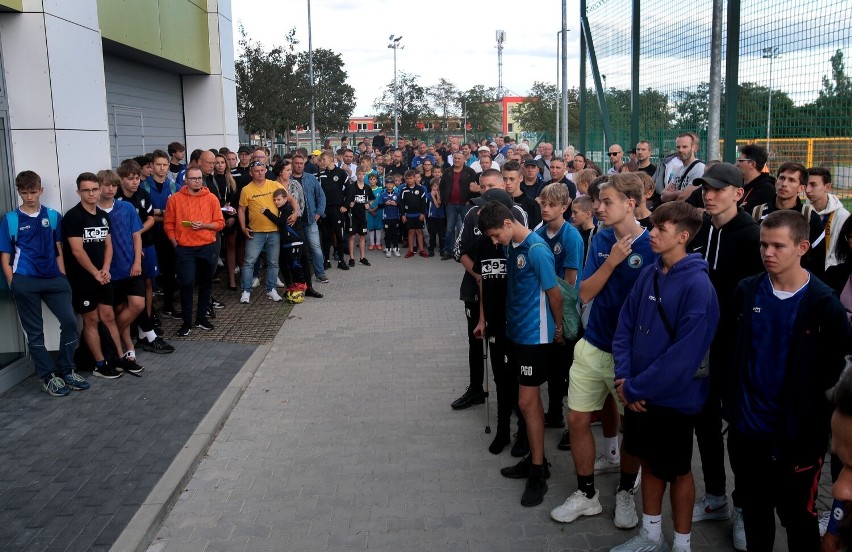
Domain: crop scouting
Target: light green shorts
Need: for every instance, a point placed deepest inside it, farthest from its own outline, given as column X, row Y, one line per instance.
column 591, row 377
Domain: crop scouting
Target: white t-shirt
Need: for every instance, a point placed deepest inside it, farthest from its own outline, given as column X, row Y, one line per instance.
column 680, row 180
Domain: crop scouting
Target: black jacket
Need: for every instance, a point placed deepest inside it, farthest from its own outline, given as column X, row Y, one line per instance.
column 467, row 176
column 815, row 359
column 760, row 190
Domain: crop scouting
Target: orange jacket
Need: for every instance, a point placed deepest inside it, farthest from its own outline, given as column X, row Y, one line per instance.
column 184, row 206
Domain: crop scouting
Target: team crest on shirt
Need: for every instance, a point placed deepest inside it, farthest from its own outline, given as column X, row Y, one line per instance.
column 635, row 261
column 45, row 222
column 335, row 178
column 103, row 221
column 522, row 261
column 557, row 249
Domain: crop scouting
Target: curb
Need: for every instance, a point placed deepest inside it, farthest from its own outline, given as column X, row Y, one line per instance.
column 143, row 527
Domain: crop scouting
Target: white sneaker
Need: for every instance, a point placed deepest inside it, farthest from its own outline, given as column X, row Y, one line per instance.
column 710, row 507
column 396, row 251
column 739, row 530
column 642, row 543
column 220, row 263
column 824, row 518
column 255, row 282
column 388, row 253
column 604, row 465
column 279, row 283
column 236, row 270
column 273, row 296
column 625, row 510
column 679, row 548
column 577, row 505
column 245, row 297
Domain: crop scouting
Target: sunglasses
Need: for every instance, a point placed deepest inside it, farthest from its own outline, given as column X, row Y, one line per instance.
column 614, row 153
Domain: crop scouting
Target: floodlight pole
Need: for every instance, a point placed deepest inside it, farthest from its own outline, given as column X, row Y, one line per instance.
column 564, row 133
column 311, row 79
column 770, row 53
column 394, row 44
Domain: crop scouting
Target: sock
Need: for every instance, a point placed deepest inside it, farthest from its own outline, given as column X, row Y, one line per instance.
column 627, row 481
column 140, row 334
column 682, row 539
column 586, row 483
column 130, row 354
column 100, row 363
column 611, row 447
column 653, row 526
column 151, row 336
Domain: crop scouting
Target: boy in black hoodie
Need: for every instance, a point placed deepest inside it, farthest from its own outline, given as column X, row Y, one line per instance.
column 729, row 239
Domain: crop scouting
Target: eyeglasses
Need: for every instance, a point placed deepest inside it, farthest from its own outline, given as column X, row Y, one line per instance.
column 87, row 190
column 194, row 178
column 614, row 153
column 744, row 160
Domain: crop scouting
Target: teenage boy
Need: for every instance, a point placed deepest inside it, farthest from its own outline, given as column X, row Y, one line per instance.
column 88, row 255
column 512, row 179
column 729, row 240
column 583, row 219
column 533, row 321
column 413, row 208
column 664, row 331
column 177, row 155
column 34, row 268
column 790, row 182
column 791, row 339
column 126, row 267
column 616, row 257
column 333, row 181
column 828, row 207
column 566, row 245
column 160, row 187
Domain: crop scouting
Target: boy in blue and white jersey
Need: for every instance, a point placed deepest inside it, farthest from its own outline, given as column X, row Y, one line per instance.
column 533, row 321
column 34, row 268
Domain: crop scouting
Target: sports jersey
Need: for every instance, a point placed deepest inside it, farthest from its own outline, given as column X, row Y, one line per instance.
column 257, row 199
column 566, row 246
column 489, row 261
column 412, row 202
column 123, row 223
column 34, row 250
column 529, row 267
column 603, row 317
column 93, row 229
column 389, row 212
column 141, row 201
column 159, row 193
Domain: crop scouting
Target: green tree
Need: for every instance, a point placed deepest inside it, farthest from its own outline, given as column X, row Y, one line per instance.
column 830, row 114
column 483, row 109
column 335, row 99
column 412, row 103
column 537, row 113
column 444, row 97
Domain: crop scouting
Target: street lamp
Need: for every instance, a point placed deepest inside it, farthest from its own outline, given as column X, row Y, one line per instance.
column 770, row 53
column 311, row 78
column 559, row 100
column 394, row 45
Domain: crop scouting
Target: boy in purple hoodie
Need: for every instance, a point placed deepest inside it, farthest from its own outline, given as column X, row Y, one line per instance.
column 664, row 332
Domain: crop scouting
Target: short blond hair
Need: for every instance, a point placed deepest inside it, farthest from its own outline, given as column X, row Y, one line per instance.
column 556, row 193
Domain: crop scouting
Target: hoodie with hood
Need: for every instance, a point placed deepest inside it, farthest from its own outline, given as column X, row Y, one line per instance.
column 184, row 206
column 833, row 217
column 657, row 367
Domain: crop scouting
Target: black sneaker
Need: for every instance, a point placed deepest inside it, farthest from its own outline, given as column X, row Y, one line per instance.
column 342, row 265
column 326, row 265
column 555, row 419
column 322, row 279
column 521, row 446
column 107, row 371
column 184, row 330
column 216, row 304
column 470, row 398
column 170, row 313
column 352, row 263
column 446, row 256
column 565, row 441
column 431, row 252
column 311, row 292
column 158, row 330
column 209, row 313
column 155, row 320
column 129, row 365
column 204, row 324
column 158, row 346
column 501, row 440
column 364, row 261
column 522, row 469
column 536, row 487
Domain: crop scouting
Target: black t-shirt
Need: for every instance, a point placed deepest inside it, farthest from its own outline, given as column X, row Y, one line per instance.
column 649, row 170
column 176, row 167
column 141, row 201
column 532, row 209
column 357, row 199
column 333, row 183
column 94, row 229
column 489, row 261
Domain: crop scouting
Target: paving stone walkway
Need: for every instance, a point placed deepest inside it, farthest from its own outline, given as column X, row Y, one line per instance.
column 344, row 439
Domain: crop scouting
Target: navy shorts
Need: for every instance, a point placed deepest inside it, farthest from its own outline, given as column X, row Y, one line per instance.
column 661, row 438
column 149, row 262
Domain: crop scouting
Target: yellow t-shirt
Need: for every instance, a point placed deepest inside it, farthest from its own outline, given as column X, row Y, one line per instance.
column 257, row 199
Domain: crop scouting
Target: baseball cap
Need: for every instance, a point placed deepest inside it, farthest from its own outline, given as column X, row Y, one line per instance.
column 495, row 194
column 316, row 152
column 244, row 149
column 492, row 143
column 483, row 148
column 721, row 175
column 530, row 163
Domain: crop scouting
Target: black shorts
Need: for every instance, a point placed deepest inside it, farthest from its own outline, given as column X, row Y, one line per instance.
column 413, row 223
column 87, row 294
column 133, row 286
column 661, row 438
column 530, row 362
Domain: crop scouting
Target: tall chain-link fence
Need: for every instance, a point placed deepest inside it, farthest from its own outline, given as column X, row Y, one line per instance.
column 794, row 90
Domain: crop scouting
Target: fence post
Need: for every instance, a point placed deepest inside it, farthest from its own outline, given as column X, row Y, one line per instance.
column 732, row 60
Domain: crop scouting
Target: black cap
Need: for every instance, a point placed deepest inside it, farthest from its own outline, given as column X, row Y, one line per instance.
column 244, row 149
column 721, row 175
column 530, row 162
column 495, row 194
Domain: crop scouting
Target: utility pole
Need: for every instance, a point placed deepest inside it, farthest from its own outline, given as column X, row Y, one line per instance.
column 770, row 53
column 501, row 37
column 394, row 44
column 311, row 78
column 564, row 133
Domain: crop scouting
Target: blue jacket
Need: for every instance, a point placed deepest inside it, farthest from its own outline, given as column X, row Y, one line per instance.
column 658, row 368
column 314, row 197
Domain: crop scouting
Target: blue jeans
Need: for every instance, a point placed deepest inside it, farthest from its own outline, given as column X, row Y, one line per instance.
column 270, row 242
column 312, row 236
column 29, row 292
column 455, row 216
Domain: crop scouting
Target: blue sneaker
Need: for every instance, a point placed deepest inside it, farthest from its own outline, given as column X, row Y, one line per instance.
column 55, row 386
column 75, row 381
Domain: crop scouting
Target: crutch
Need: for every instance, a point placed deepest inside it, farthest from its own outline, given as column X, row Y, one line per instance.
column 485, row 374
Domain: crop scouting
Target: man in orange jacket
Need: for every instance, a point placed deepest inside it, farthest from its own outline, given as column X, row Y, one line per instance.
column 191, row 221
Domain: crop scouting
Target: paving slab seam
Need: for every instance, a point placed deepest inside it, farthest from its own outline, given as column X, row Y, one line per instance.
column 143, row 527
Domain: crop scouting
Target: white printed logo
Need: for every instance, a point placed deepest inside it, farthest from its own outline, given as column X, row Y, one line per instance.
column 86, row 303
column 522, row 261
column 95, row 233
column 45, row 223
column 526, row 370
column 557, row 249
column 494, row 267
column 104, row 221
column 755, row 309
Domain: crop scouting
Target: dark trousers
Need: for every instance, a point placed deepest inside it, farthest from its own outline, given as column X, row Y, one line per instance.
column 195, row 265
column 332, row 226
column 391, row 233
column 505, row 384
column 166, row 263
column 711, row 447
column 474, row 346
column 766, row 485
column 437, row 228
column 29, row 292
column 557, row 380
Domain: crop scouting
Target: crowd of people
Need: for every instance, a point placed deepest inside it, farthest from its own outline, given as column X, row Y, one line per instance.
column 660, row 299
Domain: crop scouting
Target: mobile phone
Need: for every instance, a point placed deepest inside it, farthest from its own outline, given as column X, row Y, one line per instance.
column 186, row 223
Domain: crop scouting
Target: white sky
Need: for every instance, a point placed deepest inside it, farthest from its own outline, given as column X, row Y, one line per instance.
column 451, row 40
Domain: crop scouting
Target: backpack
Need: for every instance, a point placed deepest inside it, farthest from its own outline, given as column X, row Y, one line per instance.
column 660, row 173
column 12, row 223
column 570, row 310
column 757, row 212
